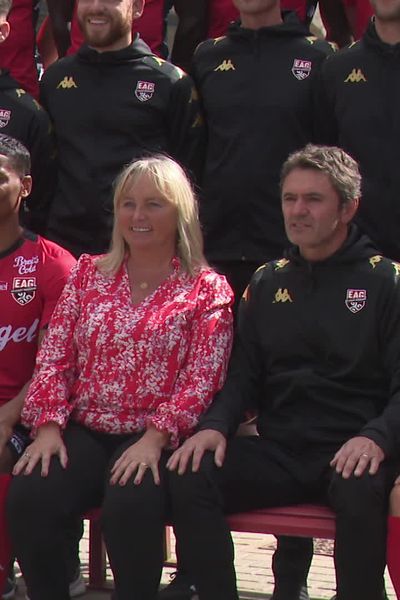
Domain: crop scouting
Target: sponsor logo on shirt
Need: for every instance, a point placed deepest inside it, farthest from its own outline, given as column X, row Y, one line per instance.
column 144, row 90
column 3, row 286
column 226, row 65
column 24, row 289
column 301, row 68
column 5, row 116
column 21, row 334
column 25, row 265
column 356, row 76
column 282, row 295
column 67, row 83
column 355, row 300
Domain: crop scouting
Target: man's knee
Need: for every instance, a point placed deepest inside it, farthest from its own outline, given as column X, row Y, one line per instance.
column 355, row 497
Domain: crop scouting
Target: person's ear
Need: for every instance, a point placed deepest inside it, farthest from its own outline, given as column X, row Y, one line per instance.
column 26, row 186
column 138, row 7
column 349, row 210
column 4, row 30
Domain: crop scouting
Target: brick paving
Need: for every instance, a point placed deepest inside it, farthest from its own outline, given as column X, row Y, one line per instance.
column 253, row 566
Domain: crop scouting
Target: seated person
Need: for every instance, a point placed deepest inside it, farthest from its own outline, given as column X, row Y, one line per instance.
column 136, row 350
column 33, row 272
column 317, row 351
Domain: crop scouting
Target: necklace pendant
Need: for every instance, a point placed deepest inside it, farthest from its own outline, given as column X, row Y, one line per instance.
column 143, row 285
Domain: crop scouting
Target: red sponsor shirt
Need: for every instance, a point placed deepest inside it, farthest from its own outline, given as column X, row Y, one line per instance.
column 17, row 52
column 223, row 12
column 150, row 26
column 32, row 275
column 363, row 13
column 117, row 367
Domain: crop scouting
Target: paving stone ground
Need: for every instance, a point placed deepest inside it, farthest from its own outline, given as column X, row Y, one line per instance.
column 253, row 567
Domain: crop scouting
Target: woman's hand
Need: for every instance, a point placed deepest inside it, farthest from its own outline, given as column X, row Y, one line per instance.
column 48, row 443
column 142, row 455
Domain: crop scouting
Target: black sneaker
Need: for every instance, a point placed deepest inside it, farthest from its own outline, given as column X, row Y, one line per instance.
column 179, row 588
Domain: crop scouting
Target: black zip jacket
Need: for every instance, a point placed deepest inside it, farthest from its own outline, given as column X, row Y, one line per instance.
column 108, row 108
column 357, row 105
column 23, row 118
column 255, row 87
column 318, row 351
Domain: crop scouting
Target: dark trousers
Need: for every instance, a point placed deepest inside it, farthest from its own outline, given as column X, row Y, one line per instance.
column 259, row 473
column 40, row 512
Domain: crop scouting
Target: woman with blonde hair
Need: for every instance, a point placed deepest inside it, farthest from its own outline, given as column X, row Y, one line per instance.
column 137, row 348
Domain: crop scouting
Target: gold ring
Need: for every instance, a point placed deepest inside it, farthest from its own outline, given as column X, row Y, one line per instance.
column 143, row 464
column 366, row 455
column 27, row 454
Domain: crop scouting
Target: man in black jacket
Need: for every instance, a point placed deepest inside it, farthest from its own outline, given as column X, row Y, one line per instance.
column 318, row 353
column 23, row 118
column 358, row 109
column 111, row 102
column 255, row 85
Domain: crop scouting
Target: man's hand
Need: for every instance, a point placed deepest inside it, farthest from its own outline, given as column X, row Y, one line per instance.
column 195, row 446
column 48, row 443
column 356, row 455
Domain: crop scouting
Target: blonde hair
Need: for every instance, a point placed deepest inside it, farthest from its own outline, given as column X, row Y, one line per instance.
column 173, row 184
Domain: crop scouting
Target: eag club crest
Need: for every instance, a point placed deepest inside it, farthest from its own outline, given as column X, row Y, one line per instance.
column 5, row 116
column 301, row 68
column 24, row 289
column 356, row 300
column 144, row 90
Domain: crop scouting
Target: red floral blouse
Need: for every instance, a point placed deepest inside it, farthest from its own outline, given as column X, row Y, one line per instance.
column 117, row 367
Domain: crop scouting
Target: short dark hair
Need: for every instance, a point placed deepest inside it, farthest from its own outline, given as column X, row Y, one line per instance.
column 17, row 154
column 5, row 7
column 339, row 166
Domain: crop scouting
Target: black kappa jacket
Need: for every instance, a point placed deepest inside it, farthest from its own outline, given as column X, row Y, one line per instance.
column 318, row 351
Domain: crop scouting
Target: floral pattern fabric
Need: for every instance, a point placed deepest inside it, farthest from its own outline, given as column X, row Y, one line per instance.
column 118, row 367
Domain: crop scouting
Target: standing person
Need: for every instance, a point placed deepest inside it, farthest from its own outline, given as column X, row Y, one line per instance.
column 317, row 350
column 137, row 347
column 17, row 53
column 357, row 104
column 110, row 102
column 207, row 19
column 246, row 148
column 23, row 118
column 33, row 272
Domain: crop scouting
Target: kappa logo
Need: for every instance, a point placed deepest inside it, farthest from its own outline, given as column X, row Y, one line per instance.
column 396, row 267
column 67, row 83
column 375, row 260
column 5, row 116
column 301, row 69
column 282, row 295
column 280, row 264
column 356, row 76
column 144, row 90
column 20, row 92
column 226, row 65
column 355, row 300
column 24, row 289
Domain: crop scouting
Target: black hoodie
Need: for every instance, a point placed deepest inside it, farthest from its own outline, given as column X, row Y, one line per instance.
column 107, row 109
column 358, row 109
column 318, row 351
column 23, row 118
column 255, row 87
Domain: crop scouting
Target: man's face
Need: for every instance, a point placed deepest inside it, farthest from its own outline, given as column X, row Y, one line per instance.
column 107, row 24
column 386, row 10
column 314, row 218
column 12, row 188
column 254, row 7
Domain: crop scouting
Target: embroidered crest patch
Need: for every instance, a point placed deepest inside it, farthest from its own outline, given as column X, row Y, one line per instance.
column 301, row 68
column 24, row 289
column 355, row 300
column 5, row 116
column 144, row 90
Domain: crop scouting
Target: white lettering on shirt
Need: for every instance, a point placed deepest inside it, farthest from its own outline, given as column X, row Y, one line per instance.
column 25, row 265
column 20, row 334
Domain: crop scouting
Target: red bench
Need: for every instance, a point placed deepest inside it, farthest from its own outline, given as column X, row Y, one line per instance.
column 304, row 520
